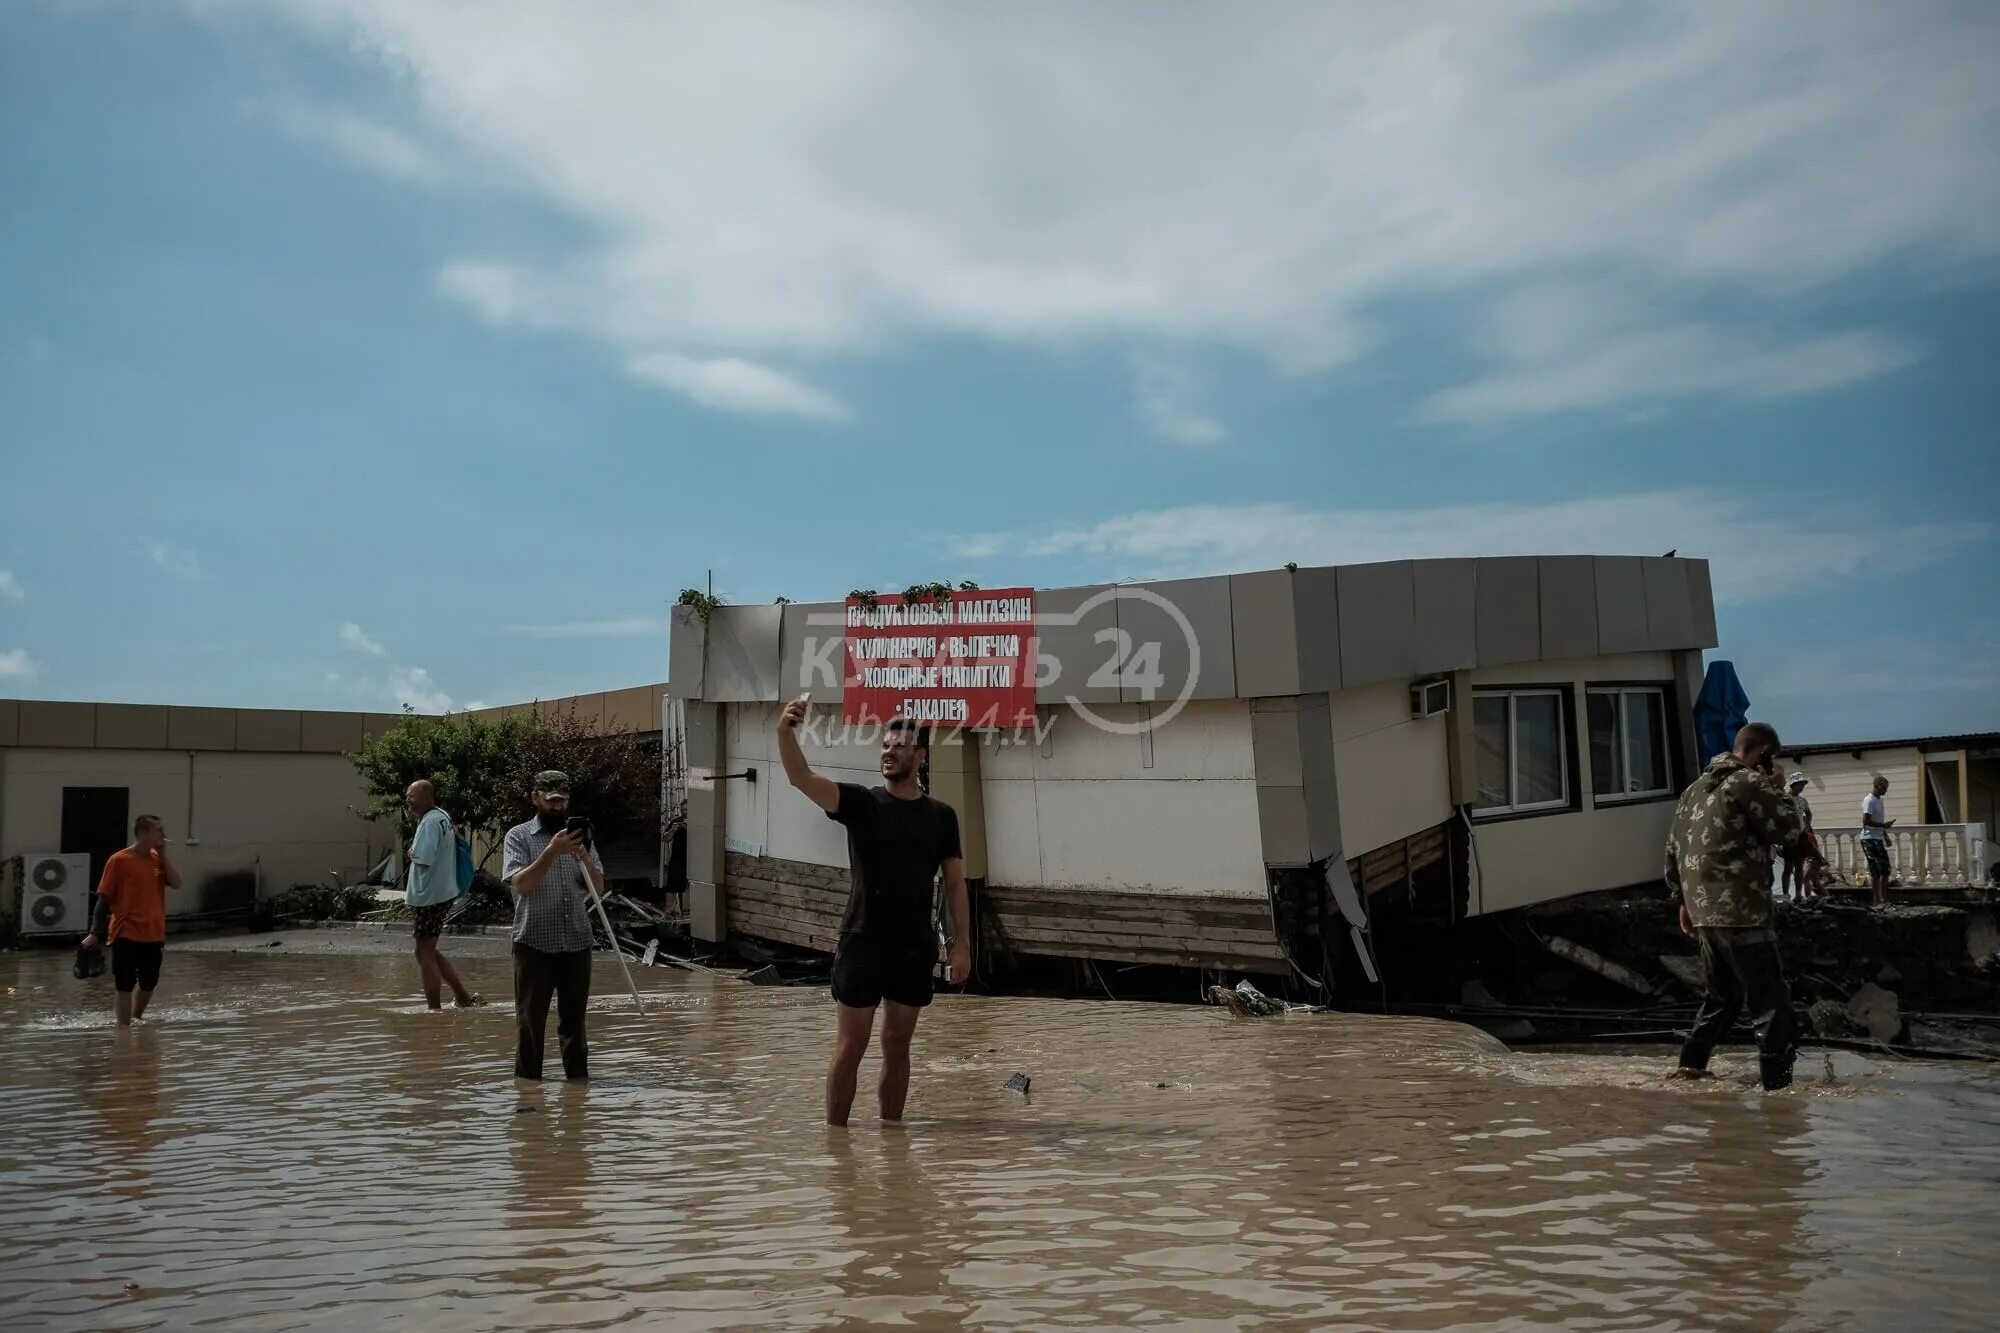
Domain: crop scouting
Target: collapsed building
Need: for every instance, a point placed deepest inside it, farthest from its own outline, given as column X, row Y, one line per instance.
column 1312, row 772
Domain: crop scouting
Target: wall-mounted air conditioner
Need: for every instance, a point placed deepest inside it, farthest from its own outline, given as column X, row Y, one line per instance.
column 1428, row 698
column 55, row 893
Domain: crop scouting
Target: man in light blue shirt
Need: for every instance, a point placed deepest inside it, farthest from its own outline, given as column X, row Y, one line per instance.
column 433, row 889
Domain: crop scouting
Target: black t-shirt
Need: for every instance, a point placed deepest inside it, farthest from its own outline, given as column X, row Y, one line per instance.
column 894, row 850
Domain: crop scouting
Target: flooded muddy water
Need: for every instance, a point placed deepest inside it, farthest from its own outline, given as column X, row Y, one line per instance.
column 293, row 1143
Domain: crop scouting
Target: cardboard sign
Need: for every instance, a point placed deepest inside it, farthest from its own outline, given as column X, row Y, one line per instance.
column 960, row 659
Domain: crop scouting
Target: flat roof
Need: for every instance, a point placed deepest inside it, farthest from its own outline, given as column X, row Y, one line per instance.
column 86, row 725
column 1968, row 740
column 1291, row 631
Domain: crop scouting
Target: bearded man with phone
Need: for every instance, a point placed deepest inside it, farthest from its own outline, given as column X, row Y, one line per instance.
column 1719, row 862
column 552, row 871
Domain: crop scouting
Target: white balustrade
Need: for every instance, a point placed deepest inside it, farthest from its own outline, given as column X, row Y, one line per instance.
column 1920, row 855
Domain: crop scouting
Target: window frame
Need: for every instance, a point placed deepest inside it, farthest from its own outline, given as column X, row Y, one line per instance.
column 1571, row 799
column 1618, row 689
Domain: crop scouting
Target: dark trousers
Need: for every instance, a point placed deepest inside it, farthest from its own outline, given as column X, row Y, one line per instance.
column 537, row 976
column 1744, row 971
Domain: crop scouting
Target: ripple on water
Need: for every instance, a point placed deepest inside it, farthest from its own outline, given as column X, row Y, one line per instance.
column 295, row 1142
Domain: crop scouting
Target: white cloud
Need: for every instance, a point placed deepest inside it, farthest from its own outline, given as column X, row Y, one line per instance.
column 474, row 705
column 1753, row 550
column 760, row 183
column 1888, row 668
column 366, row 143
column 736, row 385
column 1567, row 348
column 1165, row 396
column 614, row 627
column 181, row 563
column 353, row 636
column 16, row 667
column 1833, row 686
column 490, row 289
column 413, row 686
column 10, row 587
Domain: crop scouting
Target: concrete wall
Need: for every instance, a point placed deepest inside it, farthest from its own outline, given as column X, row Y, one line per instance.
column 768, row 818
column 1525, row 861
column 54, row 724
column 1837, row 782
column 1178, row 811
column 1393, row 770
column 225, row 812
column 1090, row 809
column 636, row 708
column 1082, row 810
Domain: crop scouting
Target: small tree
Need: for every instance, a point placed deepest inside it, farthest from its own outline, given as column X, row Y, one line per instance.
column 614, row 776
column 472, row 763
column 484, row 772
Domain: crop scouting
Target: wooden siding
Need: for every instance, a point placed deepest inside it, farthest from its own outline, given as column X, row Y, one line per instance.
column 797, row 903
column 1394, row 865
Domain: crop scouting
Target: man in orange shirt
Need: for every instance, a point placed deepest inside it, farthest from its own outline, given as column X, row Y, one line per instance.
column 133, row 896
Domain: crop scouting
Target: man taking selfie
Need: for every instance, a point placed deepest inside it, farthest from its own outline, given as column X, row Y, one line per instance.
column 899, row 838
column 552, row 870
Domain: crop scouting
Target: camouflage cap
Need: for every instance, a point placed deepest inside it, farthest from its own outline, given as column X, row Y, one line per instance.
column 552, row 782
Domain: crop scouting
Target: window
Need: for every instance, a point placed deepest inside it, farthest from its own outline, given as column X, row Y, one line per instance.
column 1628, row 744
column 1523, row 751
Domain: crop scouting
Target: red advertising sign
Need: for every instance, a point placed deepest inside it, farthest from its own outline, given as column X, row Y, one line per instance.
column 959, row 659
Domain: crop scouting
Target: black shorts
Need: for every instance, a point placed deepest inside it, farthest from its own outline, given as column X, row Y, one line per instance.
column 867, row 972
column 429, row 921
column 134, row 963
column 1877, row 852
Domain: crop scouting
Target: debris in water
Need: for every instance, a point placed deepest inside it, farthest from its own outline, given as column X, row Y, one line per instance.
column 1686, row 969
column 1598, row 963
column 1246, row 1001
column 1877, row 1010
column 652, row 952
column 767, row 975
column 1018, row 1083
column 1830, row 1019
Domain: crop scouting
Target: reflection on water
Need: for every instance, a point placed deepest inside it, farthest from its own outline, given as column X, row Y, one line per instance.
column 289, row 1144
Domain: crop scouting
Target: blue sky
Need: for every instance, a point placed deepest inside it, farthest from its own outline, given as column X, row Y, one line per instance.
column 354, row 353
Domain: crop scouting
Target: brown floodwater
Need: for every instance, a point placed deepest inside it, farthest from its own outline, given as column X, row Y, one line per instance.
column 293, row 1143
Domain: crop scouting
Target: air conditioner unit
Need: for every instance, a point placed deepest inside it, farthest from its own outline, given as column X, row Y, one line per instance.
column 1428, row 698
column 55, row 893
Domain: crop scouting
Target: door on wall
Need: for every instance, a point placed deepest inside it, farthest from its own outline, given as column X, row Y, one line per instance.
column 94, row 820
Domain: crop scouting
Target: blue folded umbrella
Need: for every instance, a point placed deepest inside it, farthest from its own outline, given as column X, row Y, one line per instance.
column 1720, row 711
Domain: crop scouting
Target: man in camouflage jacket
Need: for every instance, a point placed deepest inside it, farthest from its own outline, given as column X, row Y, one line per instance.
column 1719, row 862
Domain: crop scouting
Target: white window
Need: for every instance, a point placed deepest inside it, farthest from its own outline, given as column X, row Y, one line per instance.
column 1628, row 744
column 1523, row 751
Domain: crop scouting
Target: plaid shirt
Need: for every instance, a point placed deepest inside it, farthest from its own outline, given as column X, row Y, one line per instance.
column 553, row 917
